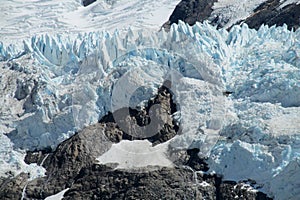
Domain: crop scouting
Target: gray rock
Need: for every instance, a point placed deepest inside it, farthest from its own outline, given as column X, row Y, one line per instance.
column 268, row 13
column 87, row 2
column 100, row 182
column 12, row 188
column 191, row 11
column 72, row 165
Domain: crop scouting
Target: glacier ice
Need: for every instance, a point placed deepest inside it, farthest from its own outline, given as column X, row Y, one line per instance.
column 12, row 162
column 60, row 84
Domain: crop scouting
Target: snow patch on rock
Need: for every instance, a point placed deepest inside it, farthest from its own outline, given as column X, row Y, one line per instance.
column 60, row 84
column 136, row 154
column 57, row 196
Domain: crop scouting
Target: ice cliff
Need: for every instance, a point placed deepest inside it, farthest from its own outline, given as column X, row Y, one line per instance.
column 52, row 86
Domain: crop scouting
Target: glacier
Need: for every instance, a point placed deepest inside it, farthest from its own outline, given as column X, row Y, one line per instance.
column 21, row 19
column 59, row 84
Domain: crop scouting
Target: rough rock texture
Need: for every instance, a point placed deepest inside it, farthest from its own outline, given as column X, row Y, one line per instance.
column 101, row 182
column 80, row 151
column 142, row 118
column 64, row 164
column 72, row 165
column 191, row 11
column 165, row 183
column 87, row 2
column 37, row 156
column 12, row 188
column 268, row 13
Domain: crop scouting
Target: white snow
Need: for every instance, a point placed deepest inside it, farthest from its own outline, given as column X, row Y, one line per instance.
column 136, row 154
column 288, row 2
column 57, row 196
column 21, row 19
column 67, row 82
column 12, row 161
column 52, row 85
column 230, row 12
column 204, row 184
column 286, row 123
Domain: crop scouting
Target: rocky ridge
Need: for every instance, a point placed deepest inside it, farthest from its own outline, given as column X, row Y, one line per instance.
column 270, row 12
column 72, row 165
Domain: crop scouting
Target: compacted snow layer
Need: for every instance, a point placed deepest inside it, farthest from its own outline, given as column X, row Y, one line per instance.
column 57, row 196
column 136, row 154
column 59, row 84
column 24, row 18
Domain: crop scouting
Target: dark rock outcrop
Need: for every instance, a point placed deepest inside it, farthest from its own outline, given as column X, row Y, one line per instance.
column 142, row 118
column 269, row 13
column 12, row 188
column 65, row 163
column 73, row 165
column 191, row 11
column 243, row 191
column 165, row 183
column 101, row 182
column 87, row 2
column 80, row 151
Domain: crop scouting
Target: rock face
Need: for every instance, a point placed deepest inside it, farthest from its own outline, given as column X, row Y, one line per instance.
column 12, row 188
column 87, row 2
column 191, row 11
column 72, row 165
column 165, row 183
column 99, row 181
column 142, row 118
column 271, row 12
column 67, row 160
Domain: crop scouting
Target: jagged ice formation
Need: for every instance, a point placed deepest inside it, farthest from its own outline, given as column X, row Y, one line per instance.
column 59, row 84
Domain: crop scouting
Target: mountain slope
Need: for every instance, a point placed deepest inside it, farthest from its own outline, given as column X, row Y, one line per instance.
column 225, row 14
column 88, row 114
column 78, row 88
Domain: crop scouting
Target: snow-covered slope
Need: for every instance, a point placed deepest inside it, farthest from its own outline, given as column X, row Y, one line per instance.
column 231, row 12
column 59, row 84
column 226, row 13
column 24, row 18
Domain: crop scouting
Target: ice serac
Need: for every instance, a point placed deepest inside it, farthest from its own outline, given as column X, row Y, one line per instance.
column 60, row 84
